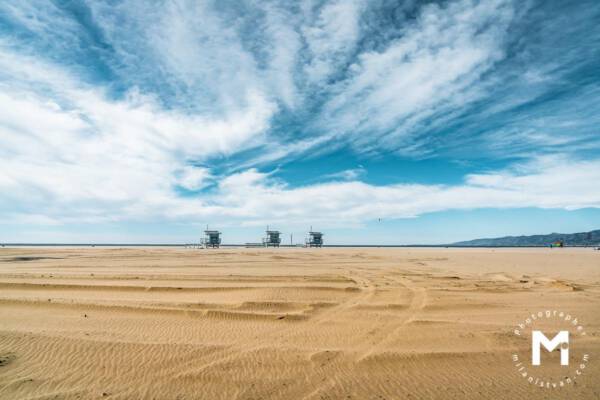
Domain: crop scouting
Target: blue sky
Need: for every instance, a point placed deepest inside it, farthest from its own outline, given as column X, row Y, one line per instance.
column 375, row 121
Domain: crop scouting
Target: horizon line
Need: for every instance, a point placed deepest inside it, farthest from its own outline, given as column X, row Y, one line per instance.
column 250, row 245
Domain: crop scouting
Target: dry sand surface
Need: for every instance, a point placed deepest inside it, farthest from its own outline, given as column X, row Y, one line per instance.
column 352, row 323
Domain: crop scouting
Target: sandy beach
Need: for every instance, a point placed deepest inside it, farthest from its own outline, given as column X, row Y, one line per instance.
column 347, row 323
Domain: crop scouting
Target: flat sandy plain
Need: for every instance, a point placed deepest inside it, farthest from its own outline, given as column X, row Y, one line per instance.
column 351, row 323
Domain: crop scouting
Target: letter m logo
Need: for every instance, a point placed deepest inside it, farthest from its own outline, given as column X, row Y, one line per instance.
column 538, row 339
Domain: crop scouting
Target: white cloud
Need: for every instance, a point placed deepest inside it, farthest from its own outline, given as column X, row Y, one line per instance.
column 283, row 54
column 94, row 159
column 194, row 83
column 76, row 153
column 431, row 68
column 331, row 37
column 347, row 174
column 193, row 178
column 545, row 183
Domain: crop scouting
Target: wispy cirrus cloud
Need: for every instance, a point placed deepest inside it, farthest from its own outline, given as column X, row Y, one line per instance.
column 431, row 69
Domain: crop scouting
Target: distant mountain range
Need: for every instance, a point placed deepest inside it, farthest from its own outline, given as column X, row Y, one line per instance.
column 591, row 238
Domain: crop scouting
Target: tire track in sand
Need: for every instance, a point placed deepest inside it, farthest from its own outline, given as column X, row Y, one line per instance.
column 396, row 324
column 367, row 290
column 386, row 333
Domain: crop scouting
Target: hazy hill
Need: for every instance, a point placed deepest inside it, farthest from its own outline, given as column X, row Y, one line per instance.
column 591, row 238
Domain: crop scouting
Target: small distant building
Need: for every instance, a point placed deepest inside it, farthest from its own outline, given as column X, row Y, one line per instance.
column 272, row 239
column 314, row 239
column 212, row 239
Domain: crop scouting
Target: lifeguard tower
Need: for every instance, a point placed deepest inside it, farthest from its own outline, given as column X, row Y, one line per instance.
column 212, row 239
column 272, row 239
column 314, row 239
